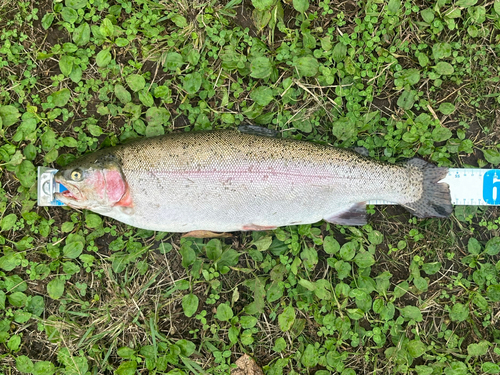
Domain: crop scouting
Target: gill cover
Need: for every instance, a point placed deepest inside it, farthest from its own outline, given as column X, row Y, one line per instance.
column 96, row 184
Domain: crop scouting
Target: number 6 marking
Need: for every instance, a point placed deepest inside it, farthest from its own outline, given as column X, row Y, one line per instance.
column 491, row 187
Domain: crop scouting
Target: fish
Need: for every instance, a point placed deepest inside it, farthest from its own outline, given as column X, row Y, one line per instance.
column 227, row 181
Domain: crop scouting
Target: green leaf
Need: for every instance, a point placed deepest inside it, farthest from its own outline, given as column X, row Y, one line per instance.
column 286, row 318
column 213, row 249
column 321, row 290
column 248, row 322
column 446, row 108
column 146, row 98
column 263, row 4
column 14, row 343
column 103, row 58
column 122, row 94
column 424, row 370
column 473, row 246
column 343, row 269
column 394, row 6
column 76, row 74
column 427, row 15
column 263, row 243
column 73, row 250
column 431, row 268
column 490, row 367
column 10, row 261
column 127, row 368
column 224, row 312
column 492, row 156
column 187, row 347
column 406, row 99
column 76, row 4
column 66, row 64
column 412, row 312
column 279, row 345
column 331, row 245
column 136, row 82
column 26, row 173
column 456, row 368
column 459, row 312
column 17, row 299
column 493, row 246
column 307, row 66
column 179, row 20
column 310, row 357
column 375, row 237
column 192, row 82
column 47, row 20
column 7, row 223
column 121, row 42
column 81, row 35
column 339, row 52
column 55, row 288
column 173, row 61
column 441, row 134
column 61, row 97
column 301, row 5
column 441, row 50
column 444, row 68
column 190, row 304
column 355, row 314
column 36, row 305
column 21, row 317
column 261, row 18
column 157, row 116
column 407, row 77
column 416, row 348
column 9, row 115
column 477, row 14
column 364, row 259
column 496, row 6
column 24, row 364
column 261, row 67
column 262, row 95
column 465, row 3
column 125, row 352
column 69, row 14
column 348, row 250
column 107, row 29
column 478, row 349
column 493, row 292
column 309, row 257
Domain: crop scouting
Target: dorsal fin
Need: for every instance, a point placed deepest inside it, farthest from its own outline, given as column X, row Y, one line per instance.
column 257, row 130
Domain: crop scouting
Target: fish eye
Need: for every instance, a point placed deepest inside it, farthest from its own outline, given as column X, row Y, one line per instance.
column 77, row 175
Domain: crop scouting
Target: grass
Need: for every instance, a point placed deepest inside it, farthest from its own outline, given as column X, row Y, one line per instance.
column 81, row 294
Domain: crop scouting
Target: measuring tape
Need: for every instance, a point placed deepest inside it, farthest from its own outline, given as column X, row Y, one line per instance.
column 468, row 187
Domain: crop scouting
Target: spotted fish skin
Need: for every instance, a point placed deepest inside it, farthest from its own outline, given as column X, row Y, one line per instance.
column 226, row 181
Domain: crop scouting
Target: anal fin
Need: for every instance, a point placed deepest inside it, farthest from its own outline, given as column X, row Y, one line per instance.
column 354, row 215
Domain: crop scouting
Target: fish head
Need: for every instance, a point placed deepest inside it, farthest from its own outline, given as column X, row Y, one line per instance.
column 95, row 182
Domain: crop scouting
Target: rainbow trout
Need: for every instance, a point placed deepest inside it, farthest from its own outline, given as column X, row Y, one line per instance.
column 224, row 181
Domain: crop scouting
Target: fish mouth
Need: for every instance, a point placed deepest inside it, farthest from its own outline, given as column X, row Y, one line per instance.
column 71, row 195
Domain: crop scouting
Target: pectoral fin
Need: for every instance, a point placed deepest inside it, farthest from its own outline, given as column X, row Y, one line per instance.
column 354, row 215
column 206, row 234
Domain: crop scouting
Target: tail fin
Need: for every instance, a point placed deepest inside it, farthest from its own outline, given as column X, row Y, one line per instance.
column 436, row 198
